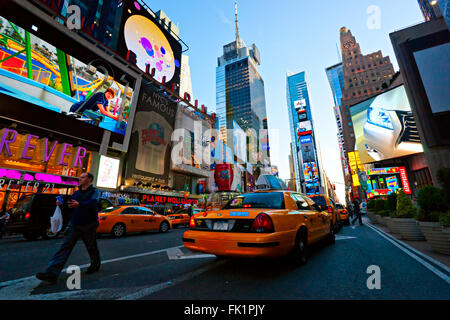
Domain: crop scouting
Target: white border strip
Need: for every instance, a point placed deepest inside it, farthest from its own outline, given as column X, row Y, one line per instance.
column 412, row 255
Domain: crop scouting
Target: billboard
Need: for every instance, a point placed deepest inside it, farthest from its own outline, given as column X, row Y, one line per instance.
column 300, row 104
column 150, row 43
column 385, row 127
column 127, row 25
column 108, row 172
column 310, row 172
column 150, row 144
column 305, row 139
column 304, row 127
column 37, row 72
column 307, row 150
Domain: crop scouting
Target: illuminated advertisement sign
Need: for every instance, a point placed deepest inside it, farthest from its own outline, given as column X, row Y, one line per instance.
column 384, row 127
column 305, row 139
column 308, row 152
column 300, row 104
column 61, row 83
column 310, row 171
column 304, row 127
column 405, row 181
column 108, row 172
column 382, row 171
column 128, row 28
column 149, row 43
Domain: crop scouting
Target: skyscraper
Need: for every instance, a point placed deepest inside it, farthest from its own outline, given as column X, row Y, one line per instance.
column 240, row 94
column 364, row 76
column 304, row 150
column 433, row 9
column 335, row 75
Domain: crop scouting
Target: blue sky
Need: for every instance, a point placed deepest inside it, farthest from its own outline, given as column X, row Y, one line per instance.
column 295, row 35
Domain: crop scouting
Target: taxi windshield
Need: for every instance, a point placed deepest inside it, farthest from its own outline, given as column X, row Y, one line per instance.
column 270, row 200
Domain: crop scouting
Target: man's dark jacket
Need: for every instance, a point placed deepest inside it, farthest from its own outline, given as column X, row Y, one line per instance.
column 87, row 212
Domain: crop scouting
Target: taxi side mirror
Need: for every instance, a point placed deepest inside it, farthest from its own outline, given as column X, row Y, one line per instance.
column 323, row 207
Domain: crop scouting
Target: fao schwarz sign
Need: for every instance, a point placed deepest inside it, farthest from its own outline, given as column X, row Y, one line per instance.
column 9, row 137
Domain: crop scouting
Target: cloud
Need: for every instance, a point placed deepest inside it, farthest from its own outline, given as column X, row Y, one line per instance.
column 224, row 18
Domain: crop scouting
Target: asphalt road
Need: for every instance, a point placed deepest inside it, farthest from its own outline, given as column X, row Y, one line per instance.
column 156, row 266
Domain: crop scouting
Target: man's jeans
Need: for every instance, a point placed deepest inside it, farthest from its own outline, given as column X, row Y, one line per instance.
column 88, row 234
column 357, row 217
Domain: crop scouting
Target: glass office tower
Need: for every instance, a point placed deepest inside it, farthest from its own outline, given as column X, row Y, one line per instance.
column 240, row 96
column 304, row 150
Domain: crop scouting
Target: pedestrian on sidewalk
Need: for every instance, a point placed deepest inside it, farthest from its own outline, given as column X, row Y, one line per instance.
column 356, row 212
column 4, row 218
column 83, row 224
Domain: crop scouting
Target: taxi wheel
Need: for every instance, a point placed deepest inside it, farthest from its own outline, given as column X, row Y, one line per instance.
column 118, row 230
column 164, row 227
column 300, row 255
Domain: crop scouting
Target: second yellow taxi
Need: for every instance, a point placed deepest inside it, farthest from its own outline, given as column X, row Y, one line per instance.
column 266, row 223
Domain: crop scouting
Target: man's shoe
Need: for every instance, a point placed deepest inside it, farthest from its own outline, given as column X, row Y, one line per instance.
column 46, row 277
column 92, row 268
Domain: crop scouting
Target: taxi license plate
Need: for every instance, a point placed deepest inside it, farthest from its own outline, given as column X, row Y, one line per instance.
column 220, row 226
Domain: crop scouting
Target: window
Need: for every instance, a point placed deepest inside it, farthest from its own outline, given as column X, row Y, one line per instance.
column 300, row 201
column 269, row 200
column 130, row 210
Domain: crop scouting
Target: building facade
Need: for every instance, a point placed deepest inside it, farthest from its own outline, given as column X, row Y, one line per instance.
column 304, row 148
column 422, row 53
column 434, row 9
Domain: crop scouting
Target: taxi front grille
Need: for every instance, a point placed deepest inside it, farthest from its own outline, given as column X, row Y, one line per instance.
column 232, row 225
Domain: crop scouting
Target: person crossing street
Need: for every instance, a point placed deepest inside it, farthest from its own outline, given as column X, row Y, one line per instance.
column 83, row 224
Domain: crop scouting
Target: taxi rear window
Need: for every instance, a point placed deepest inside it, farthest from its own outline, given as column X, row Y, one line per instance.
column 269, row 200
column 320, row 200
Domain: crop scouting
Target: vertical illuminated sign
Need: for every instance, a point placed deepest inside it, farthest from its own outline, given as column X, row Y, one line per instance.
column 405, row 181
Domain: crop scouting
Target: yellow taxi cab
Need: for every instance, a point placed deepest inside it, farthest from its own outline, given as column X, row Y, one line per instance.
column 265, row 223
column 326, row 203
column 179, row 219
column 343, row 213
column 126, row 219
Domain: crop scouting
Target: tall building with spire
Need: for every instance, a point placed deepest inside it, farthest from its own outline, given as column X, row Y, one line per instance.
column 240, row 97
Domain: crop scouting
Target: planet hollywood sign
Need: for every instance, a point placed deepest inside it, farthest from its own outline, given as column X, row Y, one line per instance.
column 166, row 199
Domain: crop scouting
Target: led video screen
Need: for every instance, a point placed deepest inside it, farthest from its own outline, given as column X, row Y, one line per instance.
column 385, row 127
column 37, row 72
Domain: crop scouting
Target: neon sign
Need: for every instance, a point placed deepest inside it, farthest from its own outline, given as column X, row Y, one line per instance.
column 9, row 136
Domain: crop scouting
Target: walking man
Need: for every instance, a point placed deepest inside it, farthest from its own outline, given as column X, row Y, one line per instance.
column 356, row 212
column 83, row 224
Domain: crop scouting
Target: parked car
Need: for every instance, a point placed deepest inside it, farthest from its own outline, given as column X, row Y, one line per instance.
column 121, row 220
column 270, row 224
column 31, row 215
column 326, row 203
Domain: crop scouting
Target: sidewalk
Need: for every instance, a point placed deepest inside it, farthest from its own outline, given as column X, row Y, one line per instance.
column 422, row 246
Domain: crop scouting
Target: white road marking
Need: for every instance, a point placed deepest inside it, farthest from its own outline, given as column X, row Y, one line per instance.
column 338, row 237
column 412, row 255
column 158, row 287
column 177, row 254
column 29, row 283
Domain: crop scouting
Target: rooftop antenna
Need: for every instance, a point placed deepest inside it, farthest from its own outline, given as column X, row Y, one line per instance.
column 237, row 25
